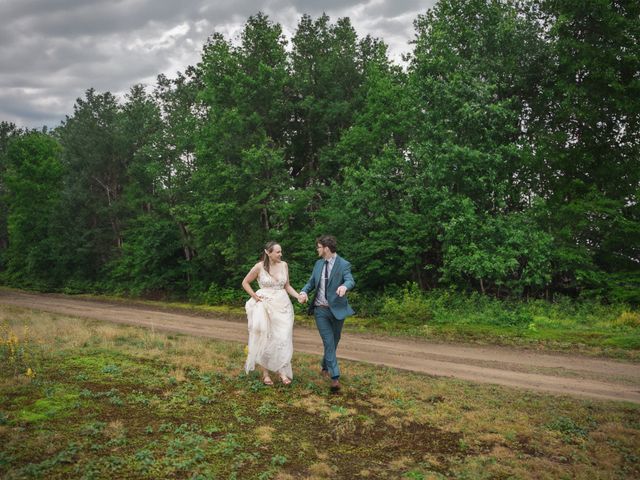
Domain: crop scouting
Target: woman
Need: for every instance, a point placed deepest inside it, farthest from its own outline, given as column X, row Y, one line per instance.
column 270, row 316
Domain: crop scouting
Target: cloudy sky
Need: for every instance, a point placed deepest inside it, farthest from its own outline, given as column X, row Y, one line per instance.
column 51, row 51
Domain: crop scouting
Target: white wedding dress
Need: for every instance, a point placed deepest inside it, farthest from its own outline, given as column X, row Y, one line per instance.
column 270, row 326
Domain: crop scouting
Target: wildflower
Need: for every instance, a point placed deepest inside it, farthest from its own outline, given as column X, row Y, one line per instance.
column 30, row 373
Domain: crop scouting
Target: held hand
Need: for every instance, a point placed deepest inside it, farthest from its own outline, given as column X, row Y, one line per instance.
column 341, row 291
column 302, row 297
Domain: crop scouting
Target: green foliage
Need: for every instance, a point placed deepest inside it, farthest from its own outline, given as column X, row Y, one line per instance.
column 34, row 175
column 56, row 404
column 567, row 427
column 411, row 308
column 507, row 252
column 504, row 160
column 631, row 319
column 217, row 295
column 150, row 259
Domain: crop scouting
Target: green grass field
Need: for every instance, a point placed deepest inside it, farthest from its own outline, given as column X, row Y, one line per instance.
column 585, row 327
column 84, row 399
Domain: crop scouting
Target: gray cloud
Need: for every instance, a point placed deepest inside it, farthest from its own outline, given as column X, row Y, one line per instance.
column 397, row 8
column 52, row 51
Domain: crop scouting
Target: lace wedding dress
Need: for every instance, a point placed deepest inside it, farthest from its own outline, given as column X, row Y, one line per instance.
column 270, row 326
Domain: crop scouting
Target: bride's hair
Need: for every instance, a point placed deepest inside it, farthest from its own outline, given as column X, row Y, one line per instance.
column 265, row 258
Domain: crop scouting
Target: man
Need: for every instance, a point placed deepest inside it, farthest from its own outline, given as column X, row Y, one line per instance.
column 331, row 279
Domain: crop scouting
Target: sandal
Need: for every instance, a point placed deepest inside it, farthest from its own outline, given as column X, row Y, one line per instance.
column 285, row 380
column 266, row 379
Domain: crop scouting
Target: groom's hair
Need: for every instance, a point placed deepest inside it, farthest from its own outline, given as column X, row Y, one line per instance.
column 328, row 241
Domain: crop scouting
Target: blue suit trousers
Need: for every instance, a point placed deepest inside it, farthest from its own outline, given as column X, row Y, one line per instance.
column 330, row 329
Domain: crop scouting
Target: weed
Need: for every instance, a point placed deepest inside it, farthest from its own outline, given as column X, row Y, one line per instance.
column 627, row 318
column 111, row 370
column 567, row 428
column 17, row 353
column 93, row 429
column 144, row 460
column 414, row 475
column 267, row 408
column 165, row 427
column 278, row 460
column 229, row 444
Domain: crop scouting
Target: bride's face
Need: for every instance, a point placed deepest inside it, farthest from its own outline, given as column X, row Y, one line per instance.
column 275, row 255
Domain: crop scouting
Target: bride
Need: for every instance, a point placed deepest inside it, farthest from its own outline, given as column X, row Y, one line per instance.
column 270, row 316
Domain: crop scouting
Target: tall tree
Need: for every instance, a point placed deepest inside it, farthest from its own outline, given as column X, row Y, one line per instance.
column 147, row 259
column 94, row 152
column 474, row 70
column 586, row 128
column 326, row 75
column 33, row 179
column 240, row 176
column 8, row 131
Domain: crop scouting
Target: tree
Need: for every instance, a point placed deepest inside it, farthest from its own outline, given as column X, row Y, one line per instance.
column 33, row 179
column 8, row 131
column 473, row 73
column 240, row 176
column 586, row 128
column 94, row 152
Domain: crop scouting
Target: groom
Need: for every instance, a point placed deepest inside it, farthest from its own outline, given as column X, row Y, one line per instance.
column 331, row 278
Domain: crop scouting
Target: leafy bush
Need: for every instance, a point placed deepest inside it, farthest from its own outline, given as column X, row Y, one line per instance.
column 624, row 288
column 366, row 304
column 630, row 319
column 411, row 308
column 217, row 295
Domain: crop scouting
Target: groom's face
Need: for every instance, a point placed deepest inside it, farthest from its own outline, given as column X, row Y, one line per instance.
column 322, row 251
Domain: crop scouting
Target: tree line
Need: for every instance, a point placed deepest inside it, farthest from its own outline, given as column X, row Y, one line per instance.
column 502, row 157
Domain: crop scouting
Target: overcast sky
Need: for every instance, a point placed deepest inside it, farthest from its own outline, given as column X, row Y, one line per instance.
column 52, row 51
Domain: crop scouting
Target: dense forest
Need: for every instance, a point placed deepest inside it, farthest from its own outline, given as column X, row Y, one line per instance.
column 501, row 157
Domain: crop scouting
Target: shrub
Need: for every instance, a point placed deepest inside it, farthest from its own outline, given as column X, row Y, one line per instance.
column 411, row 308
column 217, row 295
column 367, row 304
column 630, row 319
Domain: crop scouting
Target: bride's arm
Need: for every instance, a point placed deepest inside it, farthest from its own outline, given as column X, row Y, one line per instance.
column 287, row 286
column 250, row 277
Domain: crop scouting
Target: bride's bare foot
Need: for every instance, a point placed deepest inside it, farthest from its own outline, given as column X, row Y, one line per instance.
column 266, row 379
column 285, row 380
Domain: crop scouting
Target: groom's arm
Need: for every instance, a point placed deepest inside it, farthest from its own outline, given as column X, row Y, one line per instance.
column 347, row 277
column 310, row 285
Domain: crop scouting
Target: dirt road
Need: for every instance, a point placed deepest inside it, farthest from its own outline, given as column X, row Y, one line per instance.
column 546, row 372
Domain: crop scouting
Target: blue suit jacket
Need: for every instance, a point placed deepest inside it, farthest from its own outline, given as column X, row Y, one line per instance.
column 340, row 275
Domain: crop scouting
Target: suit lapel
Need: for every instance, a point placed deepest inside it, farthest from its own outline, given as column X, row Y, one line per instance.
column 318, row 272
column 336, row 266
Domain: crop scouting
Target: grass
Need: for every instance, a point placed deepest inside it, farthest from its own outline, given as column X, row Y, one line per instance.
column 587, row 327
column 110, row 401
